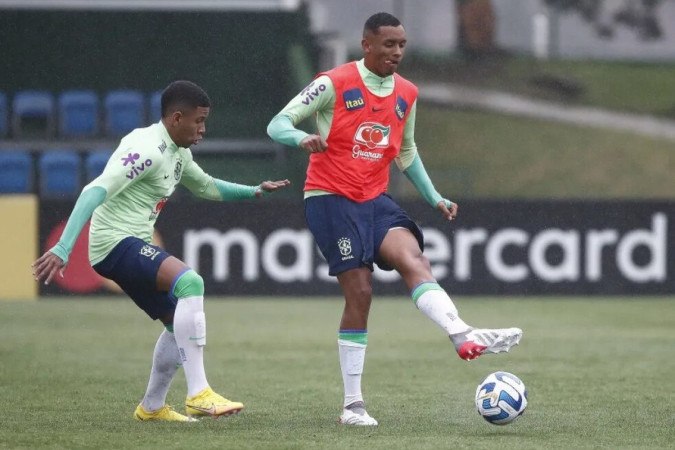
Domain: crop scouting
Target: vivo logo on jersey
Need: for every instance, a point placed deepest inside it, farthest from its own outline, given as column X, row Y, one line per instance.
column 311, row 92
column 353, row 99
column 131, row 158
column 401, row 107
column 372, row 135
column 137, row 169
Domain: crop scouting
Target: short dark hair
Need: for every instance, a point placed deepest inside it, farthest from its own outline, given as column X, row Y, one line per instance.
column 381, row 19
column 183, row 94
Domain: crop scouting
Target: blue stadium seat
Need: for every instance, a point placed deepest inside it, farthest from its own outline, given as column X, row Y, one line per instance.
column 95, row 163
column 124, row 111
column 78, row 113
column 3, row 115
column 33, row 113
column 59, row 173
column 155, row 106
column 16, row 171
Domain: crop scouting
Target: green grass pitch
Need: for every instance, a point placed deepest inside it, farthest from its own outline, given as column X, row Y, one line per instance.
column 599, row 373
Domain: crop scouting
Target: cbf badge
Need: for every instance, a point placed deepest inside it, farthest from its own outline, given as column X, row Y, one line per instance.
column 345, row 246
column 148, row 251
column 177, row 170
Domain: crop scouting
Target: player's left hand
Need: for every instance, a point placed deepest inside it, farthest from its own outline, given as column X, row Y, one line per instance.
column 271, row 186
column 47, row 266
column 448, row 209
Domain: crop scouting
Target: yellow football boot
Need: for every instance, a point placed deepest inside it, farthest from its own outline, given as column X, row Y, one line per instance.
column 165, row 413
column 208, row 403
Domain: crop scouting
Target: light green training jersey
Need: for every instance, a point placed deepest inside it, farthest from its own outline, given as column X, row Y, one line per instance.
column 138, row 179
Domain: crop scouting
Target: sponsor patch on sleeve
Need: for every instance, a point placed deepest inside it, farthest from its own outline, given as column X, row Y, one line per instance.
column 311, row 92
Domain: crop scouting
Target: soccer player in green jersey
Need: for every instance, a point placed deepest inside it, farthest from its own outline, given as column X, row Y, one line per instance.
column 123, row 204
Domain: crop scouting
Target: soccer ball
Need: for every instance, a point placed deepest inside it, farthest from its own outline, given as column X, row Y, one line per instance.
column 501, row 398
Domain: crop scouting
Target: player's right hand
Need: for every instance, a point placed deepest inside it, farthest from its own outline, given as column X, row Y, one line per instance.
column 271, row 186
column 47, row 266
column 448, row 209
column 314, row 144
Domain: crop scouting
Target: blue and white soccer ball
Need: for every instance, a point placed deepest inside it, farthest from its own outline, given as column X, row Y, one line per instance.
column 501, row 398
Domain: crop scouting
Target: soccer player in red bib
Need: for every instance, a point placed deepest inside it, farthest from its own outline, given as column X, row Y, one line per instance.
column 365, row 116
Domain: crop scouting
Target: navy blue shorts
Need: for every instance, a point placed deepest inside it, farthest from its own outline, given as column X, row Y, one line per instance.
column 133, row 264
column 349, row 234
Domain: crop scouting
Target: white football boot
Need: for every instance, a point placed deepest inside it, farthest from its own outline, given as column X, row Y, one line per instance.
column 355, row 414
column 477, row 341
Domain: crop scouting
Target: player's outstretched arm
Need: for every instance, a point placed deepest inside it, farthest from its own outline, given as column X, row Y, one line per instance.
column 232, row 191
column 210, row 188
column 54, row 261
column 207, row 187
column 418, row 176
column 271, row 186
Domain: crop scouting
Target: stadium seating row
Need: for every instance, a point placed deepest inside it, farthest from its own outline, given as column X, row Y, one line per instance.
column 59, row 172
column 76, row 113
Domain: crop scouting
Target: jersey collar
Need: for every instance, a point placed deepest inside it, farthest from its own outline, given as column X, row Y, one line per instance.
column 164, row 135
column 370, row 78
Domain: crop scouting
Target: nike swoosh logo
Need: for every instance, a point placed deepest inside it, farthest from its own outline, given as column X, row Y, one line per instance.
column 377, row 109
column 166, row 176
column 210, row 411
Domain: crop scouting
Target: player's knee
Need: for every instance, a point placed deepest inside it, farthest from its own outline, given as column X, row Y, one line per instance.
column 412, row 264
column 359, row 297
column 364, row 292
column 188, row 284
column 355, row 285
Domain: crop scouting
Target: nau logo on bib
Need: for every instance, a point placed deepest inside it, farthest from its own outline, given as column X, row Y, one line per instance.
column 353, row 99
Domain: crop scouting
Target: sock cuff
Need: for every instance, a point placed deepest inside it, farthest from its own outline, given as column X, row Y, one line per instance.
column 188, row 283
column 423, row 288
column 354, row 336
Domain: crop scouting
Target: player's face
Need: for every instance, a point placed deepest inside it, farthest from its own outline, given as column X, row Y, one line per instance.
column 189, row 126
column 383, row 51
